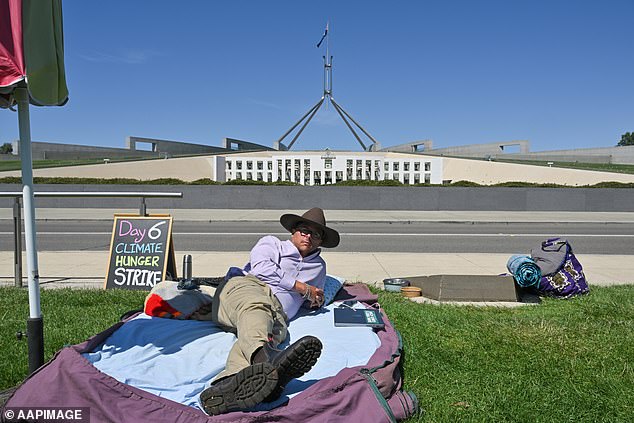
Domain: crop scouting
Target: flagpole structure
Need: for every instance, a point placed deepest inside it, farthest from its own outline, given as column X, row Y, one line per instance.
column 326, row 98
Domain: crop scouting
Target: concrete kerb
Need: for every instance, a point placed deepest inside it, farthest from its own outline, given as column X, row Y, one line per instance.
column 339, row 215
column 501, row 304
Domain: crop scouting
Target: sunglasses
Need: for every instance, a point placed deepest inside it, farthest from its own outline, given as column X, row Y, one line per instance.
column 306, row 231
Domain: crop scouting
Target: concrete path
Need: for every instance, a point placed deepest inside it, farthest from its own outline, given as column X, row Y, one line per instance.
column 87, row 269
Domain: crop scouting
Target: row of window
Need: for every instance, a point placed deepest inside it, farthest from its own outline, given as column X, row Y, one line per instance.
column 416, row 178
column 287, row 164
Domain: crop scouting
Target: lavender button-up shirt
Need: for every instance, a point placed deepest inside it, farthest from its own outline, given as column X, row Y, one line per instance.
column 279, row 264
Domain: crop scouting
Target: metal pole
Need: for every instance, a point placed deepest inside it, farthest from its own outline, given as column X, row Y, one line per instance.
column 143, row 209
column 330, row 77
column 35, row 321
column 300, row 120
column 328, row 67
column 325, row 77
column 336, row 106
column 355, row 122
column 17, row 242
column 305, row 123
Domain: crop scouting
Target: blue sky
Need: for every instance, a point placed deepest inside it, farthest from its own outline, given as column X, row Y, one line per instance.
column 557, row 73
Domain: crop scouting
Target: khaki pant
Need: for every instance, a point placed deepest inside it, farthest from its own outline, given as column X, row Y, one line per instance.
column 247, row 306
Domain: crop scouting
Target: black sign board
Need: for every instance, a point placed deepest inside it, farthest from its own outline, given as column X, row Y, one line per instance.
column 141, row 252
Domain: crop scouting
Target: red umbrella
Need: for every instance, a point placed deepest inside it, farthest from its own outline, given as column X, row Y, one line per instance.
column 31, row 71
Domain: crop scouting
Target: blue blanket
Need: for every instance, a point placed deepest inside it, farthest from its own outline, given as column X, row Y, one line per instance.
column 177, row 359
column 525, row 271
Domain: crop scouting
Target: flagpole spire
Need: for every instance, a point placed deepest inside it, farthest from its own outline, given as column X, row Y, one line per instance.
column 327, row 63
column 327, row 96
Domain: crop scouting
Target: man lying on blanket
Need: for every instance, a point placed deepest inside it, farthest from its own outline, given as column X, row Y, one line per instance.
column 280, row 277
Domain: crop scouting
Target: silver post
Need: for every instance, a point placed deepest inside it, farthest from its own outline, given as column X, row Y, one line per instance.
column 22, row 97
column 35, row 321
column 17, row 242
column 143, row 208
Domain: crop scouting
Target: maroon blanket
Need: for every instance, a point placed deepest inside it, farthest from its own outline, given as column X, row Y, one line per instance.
column 370, row 393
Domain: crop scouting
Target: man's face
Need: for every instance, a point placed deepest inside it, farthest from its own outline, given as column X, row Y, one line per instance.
column 306, row 238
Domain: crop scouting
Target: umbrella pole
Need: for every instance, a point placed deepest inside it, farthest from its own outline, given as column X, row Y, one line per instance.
column 35, row 326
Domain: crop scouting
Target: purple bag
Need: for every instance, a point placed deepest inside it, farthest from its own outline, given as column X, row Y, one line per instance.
column 568, row 279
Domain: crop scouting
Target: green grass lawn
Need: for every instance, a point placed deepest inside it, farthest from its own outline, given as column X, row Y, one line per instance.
column 39, row 164
column 559, row 361
column 599, row 167
column 6, row 165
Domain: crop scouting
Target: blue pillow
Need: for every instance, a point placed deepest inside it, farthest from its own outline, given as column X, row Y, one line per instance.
column 331, row 287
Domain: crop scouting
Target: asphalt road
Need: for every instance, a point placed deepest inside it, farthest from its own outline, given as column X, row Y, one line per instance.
column 423, row 237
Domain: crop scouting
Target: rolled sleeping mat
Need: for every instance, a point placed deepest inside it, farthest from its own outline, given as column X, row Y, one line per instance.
column 525, row 271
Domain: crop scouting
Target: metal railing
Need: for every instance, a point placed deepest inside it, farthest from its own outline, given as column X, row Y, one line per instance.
column 17, row 214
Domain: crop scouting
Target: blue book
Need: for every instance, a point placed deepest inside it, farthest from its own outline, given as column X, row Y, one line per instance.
column 348, row 316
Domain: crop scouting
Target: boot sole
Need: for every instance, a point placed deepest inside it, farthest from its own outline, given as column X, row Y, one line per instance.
column 299, row 360
column 247, row 388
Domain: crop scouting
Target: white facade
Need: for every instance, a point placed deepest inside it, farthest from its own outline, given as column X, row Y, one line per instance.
column 329, row 167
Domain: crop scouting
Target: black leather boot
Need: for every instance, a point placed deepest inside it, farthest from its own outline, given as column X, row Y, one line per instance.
column 242, row 391
column 293, row 362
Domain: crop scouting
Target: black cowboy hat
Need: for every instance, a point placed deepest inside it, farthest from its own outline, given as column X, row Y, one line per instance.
column 314, row 217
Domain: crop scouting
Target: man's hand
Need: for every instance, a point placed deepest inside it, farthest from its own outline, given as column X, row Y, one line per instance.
column 310, row 293
column 317, row 297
